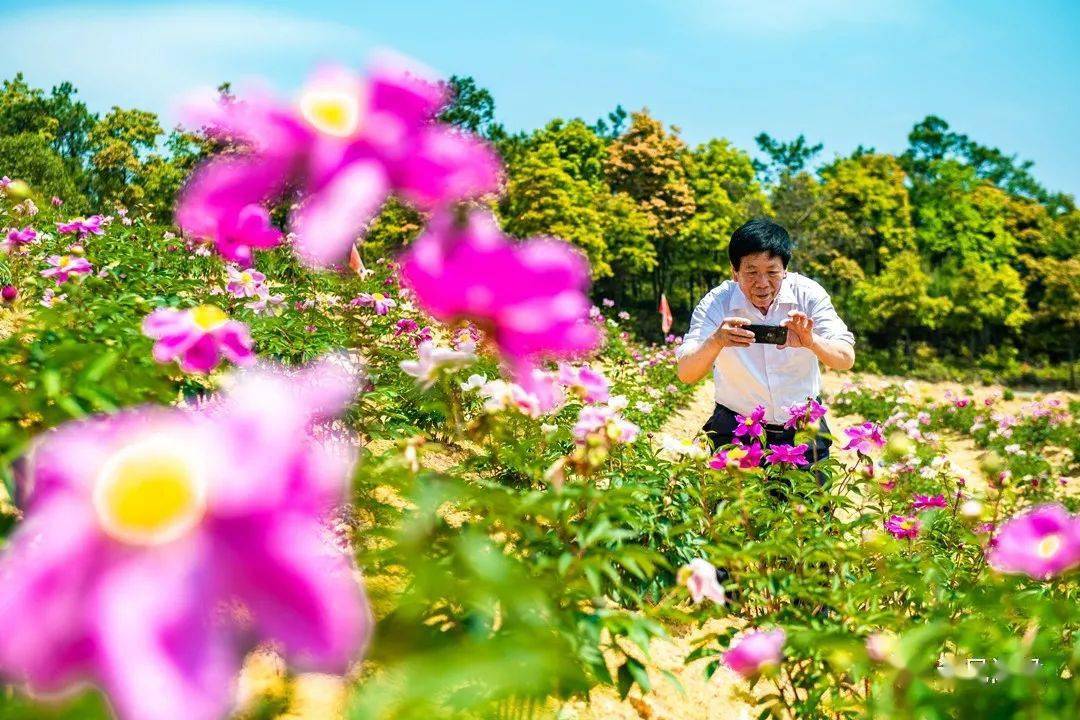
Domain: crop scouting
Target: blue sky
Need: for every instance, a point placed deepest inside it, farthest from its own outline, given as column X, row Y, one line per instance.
column 843, row 72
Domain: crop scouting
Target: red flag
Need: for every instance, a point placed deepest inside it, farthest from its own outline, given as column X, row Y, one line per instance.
column 355, row 263
column 665, row 314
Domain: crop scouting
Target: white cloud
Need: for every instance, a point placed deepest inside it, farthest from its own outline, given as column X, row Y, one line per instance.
column 791, row 17
column 149, row 57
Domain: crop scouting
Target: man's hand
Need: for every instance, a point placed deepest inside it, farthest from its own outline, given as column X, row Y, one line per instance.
column 800, row 330
column 731, row 334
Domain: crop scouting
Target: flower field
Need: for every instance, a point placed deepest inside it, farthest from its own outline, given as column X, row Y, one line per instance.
column 449, row 477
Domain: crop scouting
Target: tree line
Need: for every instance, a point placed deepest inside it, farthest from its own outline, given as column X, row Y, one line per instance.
column 950, row 249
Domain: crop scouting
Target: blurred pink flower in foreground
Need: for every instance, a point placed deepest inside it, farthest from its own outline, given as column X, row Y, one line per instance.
column 528, row 297
column 92, row 225
column 63, row 267
column 756, row 652
column 864, row 438
column 699, row 577
column 900, row 526
column 1040, row 543
column 159, row 546
column 198, row 337
column 346, row 144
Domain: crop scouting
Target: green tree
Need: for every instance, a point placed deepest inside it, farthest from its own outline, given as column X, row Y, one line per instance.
column 645, row 162
column 121, row 142
column 31, row 158
column 898, row 299
column 784, row 158
column 543, row 198
column 471, row 108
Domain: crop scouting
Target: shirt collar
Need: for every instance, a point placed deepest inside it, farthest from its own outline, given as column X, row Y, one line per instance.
column 786, row 295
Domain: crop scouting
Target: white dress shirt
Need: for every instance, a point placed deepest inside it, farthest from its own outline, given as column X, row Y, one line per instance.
column 763, row 374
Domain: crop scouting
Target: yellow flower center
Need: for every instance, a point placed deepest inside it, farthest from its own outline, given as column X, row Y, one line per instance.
column 149, row 494
column 65, row 261
column 378, row 297
column 245, row 277
column 907, row 524
column 331, row 111
column 208, row 317
column 1049, row 546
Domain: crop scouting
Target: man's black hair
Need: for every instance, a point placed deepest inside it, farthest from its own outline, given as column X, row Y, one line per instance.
column 756, row 236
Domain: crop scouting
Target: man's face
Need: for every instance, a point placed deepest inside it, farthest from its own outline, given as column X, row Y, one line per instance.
column 759, row 277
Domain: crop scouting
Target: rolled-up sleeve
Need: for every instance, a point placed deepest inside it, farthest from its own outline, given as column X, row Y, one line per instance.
column 827, row 323
column 706, row 318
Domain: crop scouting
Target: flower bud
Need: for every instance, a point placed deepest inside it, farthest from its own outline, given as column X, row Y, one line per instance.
column 899, row 446
column 9, row 293
column 17, row 190
column 991, row 464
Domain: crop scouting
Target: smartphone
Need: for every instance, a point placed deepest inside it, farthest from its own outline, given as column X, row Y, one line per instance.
column 775, row 334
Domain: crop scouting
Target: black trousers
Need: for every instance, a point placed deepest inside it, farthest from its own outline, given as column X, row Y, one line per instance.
column 720, row 430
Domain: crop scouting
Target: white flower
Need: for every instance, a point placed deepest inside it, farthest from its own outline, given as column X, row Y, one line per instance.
column 431, row 359
column 473, row 383
column 683, row 447
column 618, row 402
column 643, row 407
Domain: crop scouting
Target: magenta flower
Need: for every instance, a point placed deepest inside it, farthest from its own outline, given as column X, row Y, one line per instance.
column 699, row 577
column 804, row 414
column 750, row 425
column 159, row 546
column 923, row 502
column 222, row 202
column 198, row 337
column 244, row 283
column 92, row 225
column 900, row 526
column 17, row 238
column 864, row 438
column 63, row 267
column 8, row 293
column 405, row 326
column 588, row 384
column 738, row 456
column 378, row 301
column 792, row 455
column 1041, row 543
column 756, row 652
column 529, row 297
column 346, row 145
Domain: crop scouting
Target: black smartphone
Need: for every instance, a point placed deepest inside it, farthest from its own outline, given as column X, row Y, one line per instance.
column 775, row 334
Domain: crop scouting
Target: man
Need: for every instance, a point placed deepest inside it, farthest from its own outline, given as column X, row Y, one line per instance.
column 748, row 374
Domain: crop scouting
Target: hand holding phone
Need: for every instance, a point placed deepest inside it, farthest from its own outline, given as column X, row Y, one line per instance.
column 773, row 334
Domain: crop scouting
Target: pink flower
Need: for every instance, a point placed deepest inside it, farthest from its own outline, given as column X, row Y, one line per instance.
column 64, row 266
column 405, row 326
column 588, row 384
column 380, row 302
column 737, row 456
column 244, row 283
column 529, row 297
column 222, row 203
column 803, row 414
column 265, row 303
column 346, row 145
column 1041, row 543
column 900, row 526
column 864, row 438
column 50, row 298
column 750, row 425
column 699, row 577
column 756, row 652
column 57, row 202
column 198, row 337
column 792, row 455
column 17, row 238
column 160, row 545
column 608, row 302
column 603, row 420
column 83, row 226
column 922, row 502
column 8, row 293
